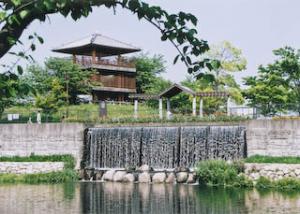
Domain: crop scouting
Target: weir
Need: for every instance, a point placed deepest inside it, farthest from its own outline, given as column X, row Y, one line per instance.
column 162, row 147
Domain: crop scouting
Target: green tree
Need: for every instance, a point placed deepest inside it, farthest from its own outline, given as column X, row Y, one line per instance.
column 11, row 89
column 147, row 70
column 276, row 88
column 17, row 15
column 53, row 99
column 230, row 60
column 72, row 79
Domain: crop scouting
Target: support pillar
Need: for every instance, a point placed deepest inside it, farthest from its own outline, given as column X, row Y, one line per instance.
column 160, row 108
column 201, row 107
column 194, row 106
column 228, row 107
column 168, row 109
column 136, row 102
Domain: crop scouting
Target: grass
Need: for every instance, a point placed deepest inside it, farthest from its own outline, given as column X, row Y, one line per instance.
column 67, row 175
column 117, row 114
column 282, row 184
column 269, row 159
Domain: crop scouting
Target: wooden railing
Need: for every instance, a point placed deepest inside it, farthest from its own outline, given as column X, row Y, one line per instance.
column 119, row 62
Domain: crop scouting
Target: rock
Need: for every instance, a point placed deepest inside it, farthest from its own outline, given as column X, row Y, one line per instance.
column 99, row 175
column 297, row 172
column 191, row 178
column 129, row 178
column 118, row 176
column 171, row 178
column 144, row 168
column 182, row 177
column 144, row 177
column 108, row 175
column 182, row 169
column 159, row 177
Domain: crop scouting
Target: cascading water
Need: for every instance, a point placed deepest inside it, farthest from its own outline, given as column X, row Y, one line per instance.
column 162, row 147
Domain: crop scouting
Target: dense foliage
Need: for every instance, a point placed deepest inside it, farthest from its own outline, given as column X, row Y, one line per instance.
column 276, row 88
column 58, row 83
column 220, row 173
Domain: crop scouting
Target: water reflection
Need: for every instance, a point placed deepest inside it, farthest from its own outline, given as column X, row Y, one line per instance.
column 142, row 198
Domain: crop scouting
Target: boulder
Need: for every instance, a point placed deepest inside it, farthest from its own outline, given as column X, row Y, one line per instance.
column 191, row 178
column 182, row 169
column 118, row 176
column 159, row 177
column 144, row 168
column 171, row 178
column 108, row 175
column 98, row 175
column 144, row 177
column 182, row 177
column 129, row 178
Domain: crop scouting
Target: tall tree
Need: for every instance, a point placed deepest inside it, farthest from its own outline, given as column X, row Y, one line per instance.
column 229, row 58
column 72, row 80
column 147, row 69
column 277, row 85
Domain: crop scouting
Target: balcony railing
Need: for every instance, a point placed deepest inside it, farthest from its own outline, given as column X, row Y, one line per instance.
column 118, row 62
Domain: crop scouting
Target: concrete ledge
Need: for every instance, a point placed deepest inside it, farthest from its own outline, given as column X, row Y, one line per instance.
column 30, row 167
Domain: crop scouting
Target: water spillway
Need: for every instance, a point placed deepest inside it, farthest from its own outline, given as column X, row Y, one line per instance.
column 162, row 147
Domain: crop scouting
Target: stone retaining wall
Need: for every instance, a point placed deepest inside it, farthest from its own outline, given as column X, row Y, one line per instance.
column 30, row 167
column 272, row 171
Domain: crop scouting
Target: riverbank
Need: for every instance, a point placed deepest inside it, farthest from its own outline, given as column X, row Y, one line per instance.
column 38, row 169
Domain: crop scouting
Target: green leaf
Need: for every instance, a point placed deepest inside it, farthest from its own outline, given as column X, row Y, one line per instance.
column 24, row 13
column 20, row 69
column 176, row 59
column 41, row 40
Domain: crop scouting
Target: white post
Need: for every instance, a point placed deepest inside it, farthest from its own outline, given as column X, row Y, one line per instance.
column 39, row 118
column 168, row 109
column 228, row 107
column 136, row 102
column 194, row 106
column 160, row 107
column 201, row 107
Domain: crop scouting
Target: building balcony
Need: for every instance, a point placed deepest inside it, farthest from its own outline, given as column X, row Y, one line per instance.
column 114, row 64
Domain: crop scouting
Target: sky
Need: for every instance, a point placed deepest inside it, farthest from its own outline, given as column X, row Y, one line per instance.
column 255, row 26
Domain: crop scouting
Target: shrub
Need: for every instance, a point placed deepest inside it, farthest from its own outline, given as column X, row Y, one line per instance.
column 220, row 173
column 264, row 182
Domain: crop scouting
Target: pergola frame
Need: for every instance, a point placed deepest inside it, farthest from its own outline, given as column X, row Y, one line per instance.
column 173, row 91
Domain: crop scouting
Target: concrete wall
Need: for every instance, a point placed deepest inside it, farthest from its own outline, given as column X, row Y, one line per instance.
column 273, row 137
column 42, row 139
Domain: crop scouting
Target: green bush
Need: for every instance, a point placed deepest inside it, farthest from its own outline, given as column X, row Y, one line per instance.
column 282, row 184
column 269, row 159
column 264, row 182
column 220, row 173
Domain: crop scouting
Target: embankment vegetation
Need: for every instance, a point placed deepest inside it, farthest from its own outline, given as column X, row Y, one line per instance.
column 67, row 175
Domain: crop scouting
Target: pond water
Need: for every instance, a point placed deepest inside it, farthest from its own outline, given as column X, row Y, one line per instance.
column 142, row 198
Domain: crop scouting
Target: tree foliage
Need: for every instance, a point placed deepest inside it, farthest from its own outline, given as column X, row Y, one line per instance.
column 276, row 88
column 59, row 81
column 17, row 15
column 229, row 58
column 147, row 70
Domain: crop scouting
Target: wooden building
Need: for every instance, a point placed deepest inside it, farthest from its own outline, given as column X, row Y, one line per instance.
column 116, row 76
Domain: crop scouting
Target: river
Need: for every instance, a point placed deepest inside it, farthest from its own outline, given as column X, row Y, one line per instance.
column 90, row 197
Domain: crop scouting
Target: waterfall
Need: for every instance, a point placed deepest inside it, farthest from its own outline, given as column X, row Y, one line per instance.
column 162, row 147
